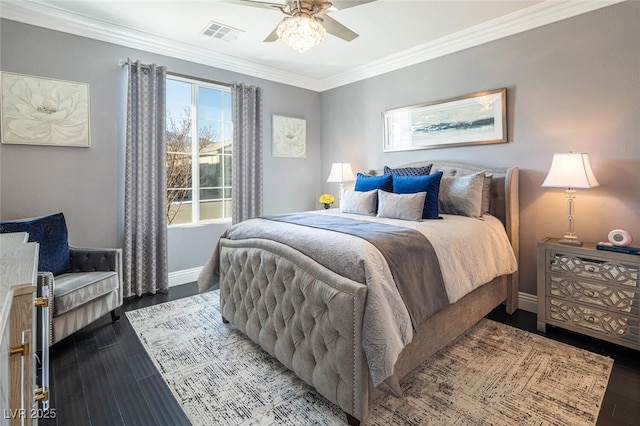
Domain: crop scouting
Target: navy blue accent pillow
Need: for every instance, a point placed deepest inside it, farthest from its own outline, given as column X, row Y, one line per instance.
column 413, row 184
column 369, row 183
column 51, row 233
column 409, row 171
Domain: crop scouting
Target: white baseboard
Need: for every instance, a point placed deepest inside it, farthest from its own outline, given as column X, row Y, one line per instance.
column 528, row 302
column 184, row 276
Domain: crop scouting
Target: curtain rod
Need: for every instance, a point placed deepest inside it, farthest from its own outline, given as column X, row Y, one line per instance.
column 204, row 80
column 124, row 63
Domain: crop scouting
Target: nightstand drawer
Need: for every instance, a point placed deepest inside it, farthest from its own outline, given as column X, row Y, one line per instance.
column 590, row 291
column 595, row 268
column 595, row 294
column 610, row 326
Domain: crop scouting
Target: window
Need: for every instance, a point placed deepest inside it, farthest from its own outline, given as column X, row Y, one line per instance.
column 199, row 150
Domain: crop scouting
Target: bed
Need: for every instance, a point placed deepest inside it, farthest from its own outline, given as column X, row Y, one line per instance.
column 330, row 325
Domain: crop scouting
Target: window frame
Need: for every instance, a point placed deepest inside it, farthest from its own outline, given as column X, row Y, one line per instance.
column 195, row 153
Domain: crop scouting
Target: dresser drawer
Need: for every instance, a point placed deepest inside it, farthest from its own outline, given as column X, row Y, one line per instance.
column 595, row 268
column 610, row 326
column 593, row 293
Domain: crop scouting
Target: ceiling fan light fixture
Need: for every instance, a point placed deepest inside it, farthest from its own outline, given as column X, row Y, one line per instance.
column 301, row 32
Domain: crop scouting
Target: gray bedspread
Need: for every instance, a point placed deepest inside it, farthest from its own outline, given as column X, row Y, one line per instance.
column 409, row 254
column 471, row 252
column 386, row 325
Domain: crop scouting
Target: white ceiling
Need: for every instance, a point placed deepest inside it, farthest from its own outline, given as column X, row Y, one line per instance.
column 392, row 33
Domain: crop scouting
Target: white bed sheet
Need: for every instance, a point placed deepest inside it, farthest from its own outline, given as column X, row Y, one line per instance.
column 471, row 251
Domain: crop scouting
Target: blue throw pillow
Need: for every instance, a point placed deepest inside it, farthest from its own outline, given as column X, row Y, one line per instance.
column 51, row 233
column 369, row 183
column 413, row 184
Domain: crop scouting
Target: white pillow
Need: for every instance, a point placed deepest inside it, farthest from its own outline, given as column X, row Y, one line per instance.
column 359, row 202
column 401, row 206
column 462, row 195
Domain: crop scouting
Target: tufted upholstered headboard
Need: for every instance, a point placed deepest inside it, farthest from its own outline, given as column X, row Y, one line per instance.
column 505, row 204
column 504, row 188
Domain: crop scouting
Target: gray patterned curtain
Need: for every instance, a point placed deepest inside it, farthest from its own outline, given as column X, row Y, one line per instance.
column 145, row 226
column 247, row 152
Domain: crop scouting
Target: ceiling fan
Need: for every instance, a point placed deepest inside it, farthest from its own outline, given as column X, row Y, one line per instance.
column 313, row 13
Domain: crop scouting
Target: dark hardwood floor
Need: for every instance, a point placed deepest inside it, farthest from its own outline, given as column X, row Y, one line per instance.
column 102, row 375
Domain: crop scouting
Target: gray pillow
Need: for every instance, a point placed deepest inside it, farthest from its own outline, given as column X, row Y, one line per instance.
column 401, row 206
column 486, row 193
column 462, row 195
column 359, row 202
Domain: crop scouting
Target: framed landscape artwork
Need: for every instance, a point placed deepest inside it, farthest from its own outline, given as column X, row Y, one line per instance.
column 478, row 118
column 289, row 137
column 42, row 111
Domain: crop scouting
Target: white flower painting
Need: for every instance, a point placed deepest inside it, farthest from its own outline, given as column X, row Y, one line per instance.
column 40, row 111
column 289, row 137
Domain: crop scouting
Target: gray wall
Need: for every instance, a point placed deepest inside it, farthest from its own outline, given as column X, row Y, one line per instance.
column 88, row 184
column 572, row 86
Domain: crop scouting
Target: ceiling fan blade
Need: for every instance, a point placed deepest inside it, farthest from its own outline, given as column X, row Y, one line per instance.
column 273, row 36
column 337, row 29
column 260, row 4
column 345, row 4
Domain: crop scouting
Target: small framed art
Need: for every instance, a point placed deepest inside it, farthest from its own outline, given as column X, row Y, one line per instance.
column 289, row 137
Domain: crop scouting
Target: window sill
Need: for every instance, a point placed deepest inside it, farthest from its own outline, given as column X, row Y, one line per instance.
column 223, row 222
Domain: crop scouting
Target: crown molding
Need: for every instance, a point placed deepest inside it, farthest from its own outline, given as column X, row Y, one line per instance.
column 50, row 17
column 532, row 17
column 547, row 12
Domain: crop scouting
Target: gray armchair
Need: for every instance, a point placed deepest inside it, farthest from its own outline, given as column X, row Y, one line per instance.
column 84, row 283
column 91, row 288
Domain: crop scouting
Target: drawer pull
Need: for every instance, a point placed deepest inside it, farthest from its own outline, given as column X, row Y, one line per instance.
column 41, row 302
column 41, row 396
column 590, row 318
column 591, row 269
column 590, row 293
column 22, row 350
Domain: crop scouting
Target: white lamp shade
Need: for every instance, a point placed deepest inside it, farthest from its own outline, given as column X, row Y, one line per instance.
column 570, row 170
column 341, row 172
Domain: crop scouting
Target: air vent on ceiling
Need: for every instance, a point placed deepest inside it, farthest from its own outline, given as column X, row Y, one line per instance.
column 221, row 31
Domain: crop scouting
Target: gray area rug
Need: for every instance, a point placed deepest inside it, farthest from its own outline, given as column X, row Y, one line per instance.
column 492, row 375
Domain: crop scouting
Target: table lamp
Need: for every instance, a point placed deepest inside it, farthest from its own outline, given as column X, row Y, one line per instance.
column 341, row 172
column 570, row 171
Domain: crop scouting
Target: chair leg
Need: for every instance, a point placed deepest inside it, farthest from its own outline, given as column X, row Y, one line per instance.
column 114, row 315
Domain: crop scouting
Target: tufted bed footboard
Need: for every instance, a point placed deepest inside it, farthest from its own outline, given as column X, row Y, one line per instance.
column 310, row 319
column 303, row 314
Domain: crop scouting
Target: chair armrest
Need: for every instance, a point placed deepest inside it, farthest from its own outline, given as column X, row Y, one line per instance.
column 97, row 259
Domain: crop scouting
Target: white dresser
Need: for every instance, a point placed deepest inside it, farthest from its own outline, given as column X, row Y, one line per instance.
column 19, row 394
